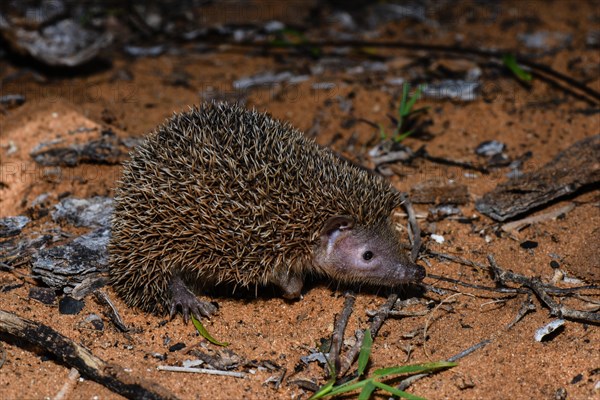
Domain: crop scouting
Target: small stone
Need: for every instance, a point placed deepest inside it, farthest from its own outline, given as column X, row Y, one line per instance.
column 438, row 238
column 498, row 160
column 577, row 378
column 192, row 363
column 544, row 40
column 264, row 79
column 273, row 26
column 454, row 89
column 12, row 101
column 323, row 85
column 444, row 210
column 177, row 347
column 529, row 244
column 592, row 39
column 547, row 329
column 160, row 356
column 95, row 321
column 70, row 306
column 463, row 382
column 560, row 394
column 490, row 148
column 145, row 51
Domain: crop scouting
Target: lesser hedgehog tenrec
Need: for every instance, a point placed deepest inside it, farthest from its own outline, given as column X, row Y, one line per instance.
column 223, row 195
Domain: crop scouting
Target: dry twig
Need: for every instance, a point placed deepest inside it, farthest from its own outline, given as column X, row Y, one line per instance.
column 474, row 286
column 201, row 371
column 338, row 333
column 458, row 260
column 414, row 231
column 113, row 313
column 515, row 226
column 376, row 324
column 70, row 353
column 277, row 379
column 548, row 288
column 525, row 308
column 557, row 310
column 67, row 388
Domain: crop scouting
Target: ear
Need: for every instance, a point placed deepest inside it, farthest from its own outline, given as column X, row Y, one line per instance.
column 337, row 223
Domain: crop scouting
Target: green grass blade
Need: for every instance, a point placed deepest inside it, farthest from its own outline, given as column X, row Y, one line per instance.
column 402, row 108
column 411, row 102
column 347, row 387
column 382, row 134
column 324, row 390
column 365, row 352
column 412, row 369
column 204, row 333
column 510, row 62
column 397, row 392
column 399, row 138
column 367, row 390
column 402, row 111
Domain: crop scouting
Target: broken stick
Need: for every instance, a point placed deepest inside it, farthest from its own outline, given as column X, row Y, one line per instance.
column 89, row 366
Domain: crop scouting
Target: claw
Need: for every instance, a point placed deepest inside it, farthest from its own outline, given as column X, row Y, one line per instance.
column 183, row 298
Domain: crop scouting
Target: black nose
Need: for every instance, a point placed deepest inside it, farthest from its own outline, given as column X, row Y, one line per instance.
column 418, row 272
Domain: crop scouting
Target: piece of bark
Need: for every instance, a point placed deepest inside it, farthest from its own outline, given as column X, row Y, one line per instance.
column 93, row 212
column 12, row 226
column 89, row 366
column 58, row 42
column 68, row 265
column 570, row 170
column 515, row 226
column 438, row 192
column 107, row 149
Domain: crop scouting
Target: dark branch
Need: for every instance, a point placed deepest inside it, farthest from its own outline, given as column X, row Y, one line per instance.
column 70, row 353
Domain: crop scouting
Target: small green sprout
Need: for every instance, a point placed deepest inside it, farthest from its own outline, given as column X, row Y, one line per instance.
column 365, row 353
column 372, row 383
column 510, row 62
column 204, row 333
column 405, row 113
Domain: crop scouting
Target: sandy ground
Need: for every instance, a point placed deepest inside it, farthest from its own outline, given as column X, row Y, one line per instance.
column 540, row 119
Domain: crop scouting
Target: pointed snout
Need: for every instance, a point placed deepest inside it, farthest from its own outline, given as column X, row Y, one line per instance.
column 409, row 272
column 418, row 272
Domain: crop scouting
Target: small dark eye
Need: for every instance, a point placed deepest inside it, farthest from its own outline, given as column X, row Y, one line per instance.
column 367, row 255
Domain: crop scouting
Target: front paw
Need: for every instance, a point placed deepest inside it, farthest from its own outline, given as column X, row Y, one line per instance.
column 183, row 298
column 189, row 304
